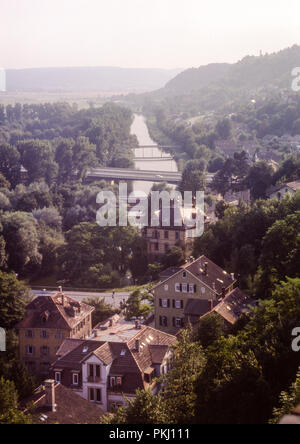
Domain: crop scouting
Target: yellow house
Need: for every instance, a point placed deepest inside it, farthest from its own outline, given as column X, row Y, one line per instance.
column 193, row 289
column 49, row 320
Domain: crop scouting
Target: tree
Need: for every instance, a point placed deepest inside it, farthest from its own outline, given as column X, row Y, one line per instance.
column 259, row 179
column 102, row 310
column 280, row 256
column 21, row 229
column 4, row 183
column 37, row 156
column 9, row 413
column 193, row 176
column 10, row 163
column 224, row 128
column 210, row 329
column 288, row 400
column 174, row 257
column 14, row 298
column 180, row 383
column 84, row 156
column 64, row 159
column 220, row 209
column 134, row 306
column 146, row 408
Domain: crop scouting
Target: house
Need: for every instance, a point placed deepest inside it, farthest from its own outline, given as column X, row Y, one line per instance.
column 118, row 359
column 160, row 239
column 55, row 404
column 48, row 321
column 198, row 280
column 280, row 191
column 233, row 306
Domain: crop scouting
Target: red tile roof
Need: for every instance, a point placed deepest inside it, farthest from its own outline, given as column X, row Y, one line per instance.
column 71, row 408
column 125, row 359
column 50, row 312
column 234, row 305
column 215, row 278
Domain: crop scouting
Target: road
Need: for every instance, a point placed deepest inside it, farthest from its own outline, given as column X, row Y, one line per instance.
column 80, row 296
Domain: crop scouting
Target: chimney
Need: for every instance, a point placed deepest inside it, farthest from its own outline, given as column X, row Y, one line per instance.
column 63, row 299
column 232, row 276
column 205, row 268
column 137, row 345
column 50, row 394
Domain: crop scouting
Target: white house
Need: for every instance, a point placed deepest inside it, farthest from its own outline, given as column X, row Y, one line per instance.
column 120, row 358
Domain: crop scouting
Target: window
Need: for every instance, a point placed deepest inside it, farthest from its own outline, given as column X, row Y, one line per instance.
column 95, row 395
column 177, row 304
column 57, row 377
column 94, row 372
column 184, row 288
column 184, row 274
column 192, row 288
column 166, row 287
column 163, row 321
column 45, row 351
column 164, row 303
column 177, row 235
column 29, row 334
column 166, row 248
column 29, row 350
column 166, row 235
column 91, row 394
column 59, row 335
column 75, row 379
column 44, row 334
column 112, row 382
column 177, row 322
column 177, row 288
column 98, row 371
column 119, row 380
column 156, row 248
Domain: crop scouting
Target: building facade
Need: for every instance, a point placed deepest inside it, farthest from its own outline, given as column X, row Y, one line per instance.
column 49, row 320
column 199, row 280
column 120, row 358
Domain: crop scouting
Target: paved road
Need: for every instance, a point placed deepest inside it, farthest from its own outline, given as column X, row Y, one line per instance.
column 80, row 296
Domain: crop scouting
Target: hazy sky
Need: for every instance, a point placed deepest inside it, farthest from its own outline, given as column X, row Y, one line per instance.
column 142, row 33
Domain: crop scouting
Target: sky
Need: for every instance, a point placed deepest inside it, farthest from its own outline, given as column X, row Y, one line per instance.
column 142, row 33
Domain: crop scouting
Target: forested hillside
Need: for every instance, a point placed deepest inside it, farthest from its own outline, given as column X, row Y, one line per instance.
column 46, row 209
column 216, row 86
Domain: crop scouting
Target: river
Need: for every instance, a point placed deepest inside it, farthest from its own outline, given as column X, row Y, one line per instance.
column 150, row 150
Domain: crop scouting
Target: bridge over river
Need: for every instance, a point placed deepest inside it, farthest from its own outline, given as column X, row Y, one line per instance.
column 141, row 175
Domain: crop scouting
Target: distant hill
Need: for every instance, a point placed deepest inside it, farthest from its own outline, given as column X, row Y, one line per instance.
column 218, row 85
column 197, row 78
column 87, row 79
column 251, row 72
